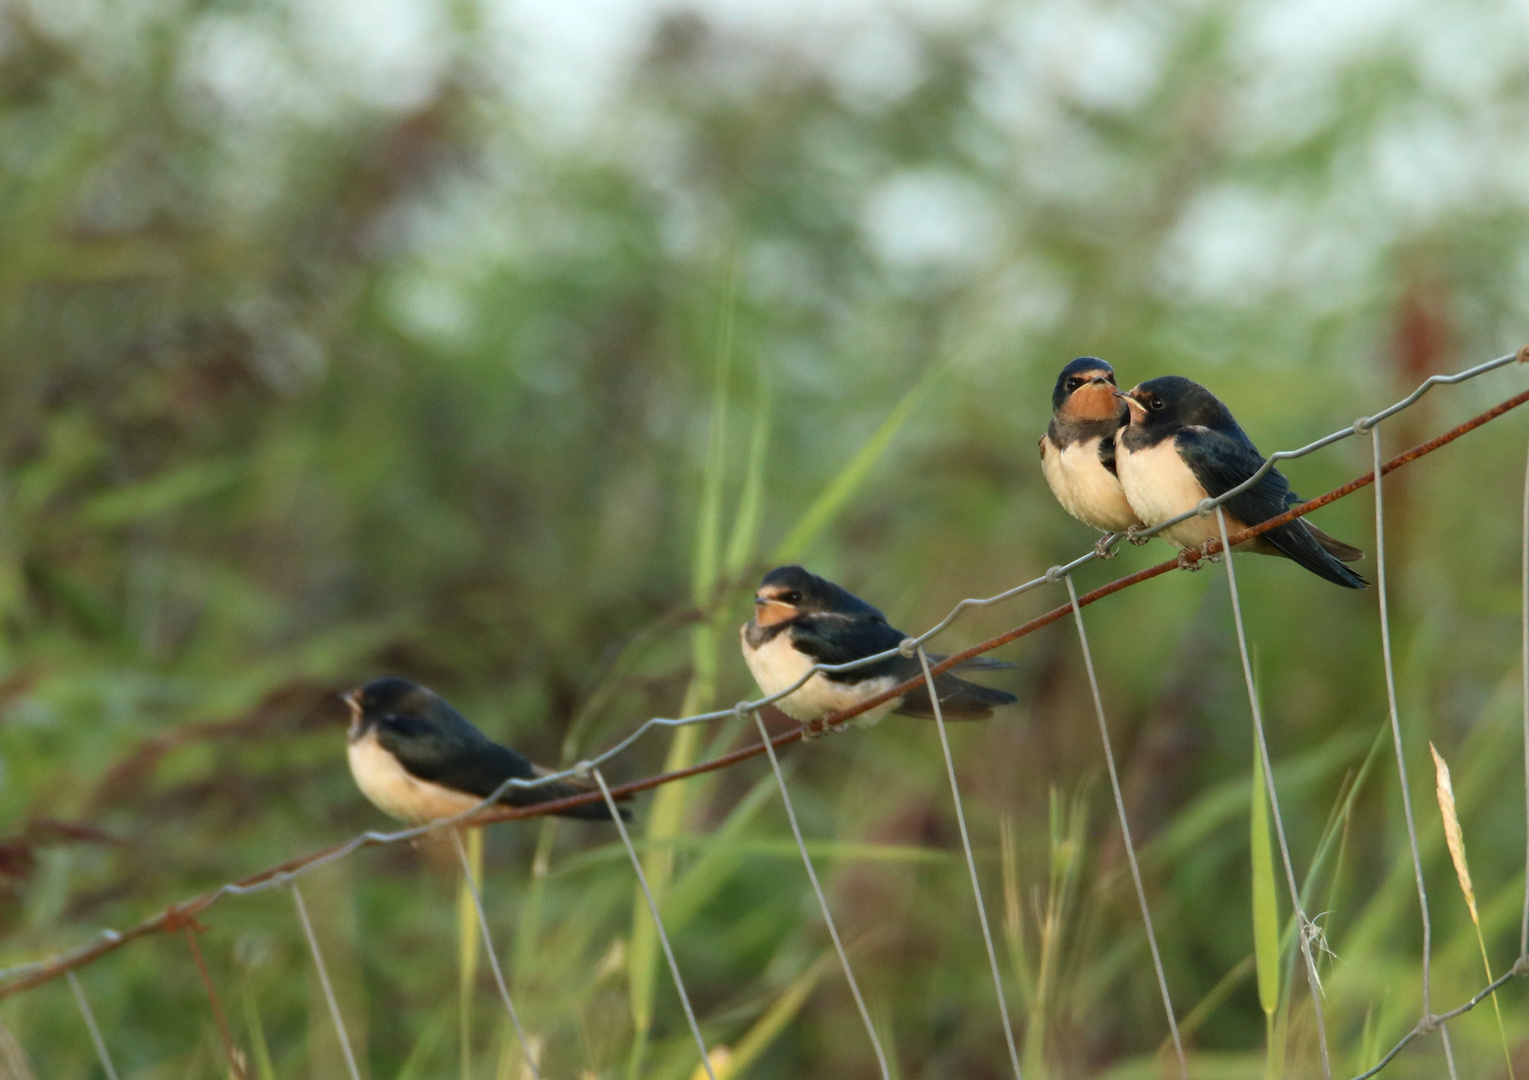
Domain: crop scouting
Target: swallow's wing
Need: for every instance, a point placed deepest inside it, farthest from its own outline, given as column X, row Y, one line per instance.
column 451, row 757
column 1107, row 454
column 1220, row 461
column 835, row 639
column 464, row 761
column 469, row 761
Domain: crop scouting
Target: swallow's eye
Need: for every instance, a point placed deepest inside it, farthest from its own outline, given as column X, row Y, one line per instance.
column 1155, row 404
column 792, row 597
column 1073, row 383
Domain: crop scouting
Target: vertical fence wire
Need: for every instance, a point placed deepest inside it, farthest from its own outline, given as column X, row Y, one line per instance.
column 1396, row 736
column 663, row 938
column 812, row 876
column 318, row 962
column 1523, row 940
column 1305, row 930
column 971, row 864
column 92, row 1027
column 1125, row 827
column 493, row 957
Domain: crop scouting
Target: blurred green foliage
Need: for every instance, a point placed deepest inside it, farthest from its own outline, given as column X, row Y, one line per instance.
column 338, row 339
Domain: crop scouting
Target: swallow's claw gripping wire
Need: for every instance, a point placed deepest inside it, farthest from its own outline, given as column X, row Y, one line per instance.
column 1136, row 541
column 1189, row 559
column 1104, row 547
column 1206, row 551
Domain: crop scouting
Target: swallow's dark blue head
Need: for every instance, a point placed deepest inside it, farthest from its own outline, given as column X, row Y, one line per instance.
column 789, row 591
column 1172, row 402
column 1085, row 390
column 391, row 696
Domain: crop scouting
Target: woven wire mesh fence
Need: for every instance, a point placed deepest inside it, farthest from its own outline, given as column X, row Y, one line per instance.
column 182, row 917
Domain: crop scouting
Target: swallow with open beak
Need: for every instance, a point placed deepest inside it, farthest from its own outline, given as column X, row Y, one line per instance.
column 801, row 620
column 418, row 759
column 1181, row 446
column 1078, row 449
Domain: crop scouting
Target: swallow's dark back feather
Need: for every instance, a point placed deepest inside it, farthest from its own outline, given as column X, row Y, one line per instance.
column 833, row 639
column 434, row 742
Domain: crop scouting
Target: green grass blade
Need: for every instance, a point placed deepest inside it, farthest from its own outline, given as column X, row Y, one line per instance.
column 467, row 947
column 528, row 930
column 264, row 1070
column 666, row 820
column 745, row 534
column 417, row 1063
column 839, row 490
column 703, row 574
column 1265, row 902
column 768, row 1027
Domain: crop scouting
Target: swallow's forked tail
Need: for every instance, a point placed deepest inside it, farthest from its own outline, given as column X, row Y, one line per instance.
column 959, row 699
column 563, row 789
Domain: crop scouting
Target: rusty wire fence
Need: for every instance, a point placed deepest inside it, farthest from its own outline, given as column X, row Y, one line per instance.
column 182, row 916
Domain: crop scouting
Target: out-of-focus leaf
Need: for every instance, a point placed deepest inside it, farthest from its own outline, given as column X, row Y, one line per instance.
column 161, row 494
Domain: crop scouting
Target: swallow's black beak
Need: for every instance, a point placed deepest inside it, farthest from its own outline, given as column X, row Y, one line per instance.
column 761, row 601
column 1130, row 398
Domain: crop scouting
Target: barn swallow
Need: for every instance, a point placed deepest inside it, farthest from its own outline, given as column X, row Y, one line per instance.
column 800, row 620
column 1182, row 446
column 418, row 759
column 1078, row 449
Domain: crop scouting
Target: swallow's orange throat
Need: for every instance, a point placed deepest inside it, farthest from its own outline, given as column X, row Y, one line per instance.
column 772, row 612
column 1092, row 401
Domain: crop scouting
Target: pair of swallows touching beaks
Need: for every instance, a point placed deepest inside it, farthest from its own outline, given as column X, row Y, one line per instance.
column 1123, row 462
column 1119, row 462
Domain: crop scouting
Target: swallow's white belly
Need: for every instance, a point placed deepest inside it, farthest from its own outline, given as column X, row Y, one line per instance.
column 1084, row 487
column 1159, row 485
column 393, row 791
column 777, row 664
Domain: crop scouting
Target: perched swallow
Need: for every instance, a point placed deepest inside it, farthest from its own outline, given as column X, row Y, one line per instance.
column 1078, row 449
column 800, row 620
column 1182, row 446
column 418, row 759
